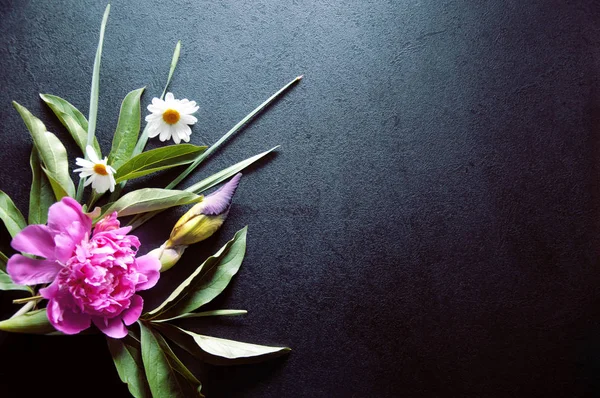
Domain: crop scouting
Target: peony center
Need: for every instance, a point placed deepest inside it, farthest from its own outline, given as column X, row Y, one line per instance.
column 99, row 168
column 171, row 116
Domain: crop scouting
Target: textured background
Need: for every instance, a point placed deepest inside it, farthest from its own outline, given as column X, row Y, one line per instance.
column 430, row 224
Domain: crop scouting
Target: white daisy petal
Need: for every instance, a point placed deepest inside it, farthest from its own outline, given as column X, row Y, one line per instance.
column 92, row 154
column 169, row 97
column 188, row 119
column 164, row 135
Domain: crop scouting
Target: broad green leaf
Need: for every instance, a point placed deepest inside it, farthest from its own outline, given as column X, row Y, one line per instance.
column 207, row 183
column 35, row 322
column 207, row 281
column 204, row 314
column 235, row 128
column 41, row 195
column 59, row 191
column 128, row 361
column 127, row 131
column 12, row 217
column 51, row 150
column 7, row 284
column 166, row 376
column 72, row 119
column 158, row 159
column 141, row 144
column 151, row 199
column 220, row 351
column 3, row 262
column 224, row 174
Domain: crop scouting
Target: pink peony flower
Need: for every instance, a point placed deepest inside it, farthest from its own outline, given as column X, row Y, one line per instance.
column 94, row 276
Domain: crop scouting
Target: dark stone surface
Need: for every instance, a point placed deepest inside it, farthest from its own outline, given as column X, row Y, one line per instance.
column 430, row 225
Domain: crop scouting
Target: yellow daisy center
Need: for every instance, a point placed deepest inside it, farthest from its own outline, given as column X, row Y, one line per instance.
column 100, row 169
column 171, row 116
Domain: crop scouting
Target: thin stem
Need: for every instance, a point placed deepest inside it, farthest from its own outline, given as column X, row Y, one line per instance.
column 25, row 309
column 27, row 299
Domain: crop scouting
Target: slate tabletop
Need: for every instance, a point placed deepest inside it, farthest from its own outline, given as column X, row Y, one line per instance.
column 429, row 226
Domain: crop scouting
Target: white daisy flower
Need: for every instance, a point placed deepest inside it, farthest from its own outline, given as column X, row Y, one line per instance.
column 170, row 118
column 97, row 172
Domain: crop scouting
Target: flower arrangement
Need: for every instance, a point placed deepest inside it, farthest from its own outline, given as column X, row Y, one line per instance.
column 80, row 265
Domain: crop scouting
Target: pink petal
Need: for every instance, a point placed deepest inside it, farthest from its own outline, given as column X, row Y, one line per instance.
column 65, row 246
column 134, row 311
column 35, row 239
column 51, row 291
column 149, row 266
column 63, row 214
column 66, row 320
column 28, row 271
column 111, row 327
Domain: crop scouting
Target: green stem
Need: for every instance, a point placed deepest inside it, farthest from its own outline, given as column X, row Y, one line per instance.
column 25, row 309
column 27, row 299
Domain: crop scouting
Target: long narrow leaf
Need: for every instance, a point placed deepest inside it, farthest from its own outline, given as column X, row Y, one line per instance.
column 74, row 121
column 34, row 322
column 207, row 281
column 10, row 215
column 150, row 199
column 224, row 174
column 207, row 183
column 164, row 375
column 141, row 144
column 51, row 150
column 158, row 159
column 204, row 314
column 130, row 367
column 94, row 92
column 217, row 351
column 128, row 128
column 235, row 128
column 41, row 196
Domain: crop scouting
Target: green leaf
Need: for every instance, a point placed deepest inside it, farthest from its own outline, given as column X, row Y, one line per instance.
column 35, row 322
column 231, row 349
column 207, row 183
column 141, row 144
column 204, row 314
column 59, row 191
column 72, row 119
column 235, row 128
column 127, row 130
column 224, row 174
column 207, row 281
column 41, row 195
column 12, row 217
column 166, row 376
column 219, row 351
column 158, row 159
column 151, row 199
column 3, row 262
column 52, row 152
column 95, row 90
column 128, row 361
column 7, row 284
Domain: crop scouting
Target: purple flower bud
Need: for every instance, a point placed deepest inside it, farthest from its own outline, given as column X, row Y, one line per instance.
column 205, row 218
